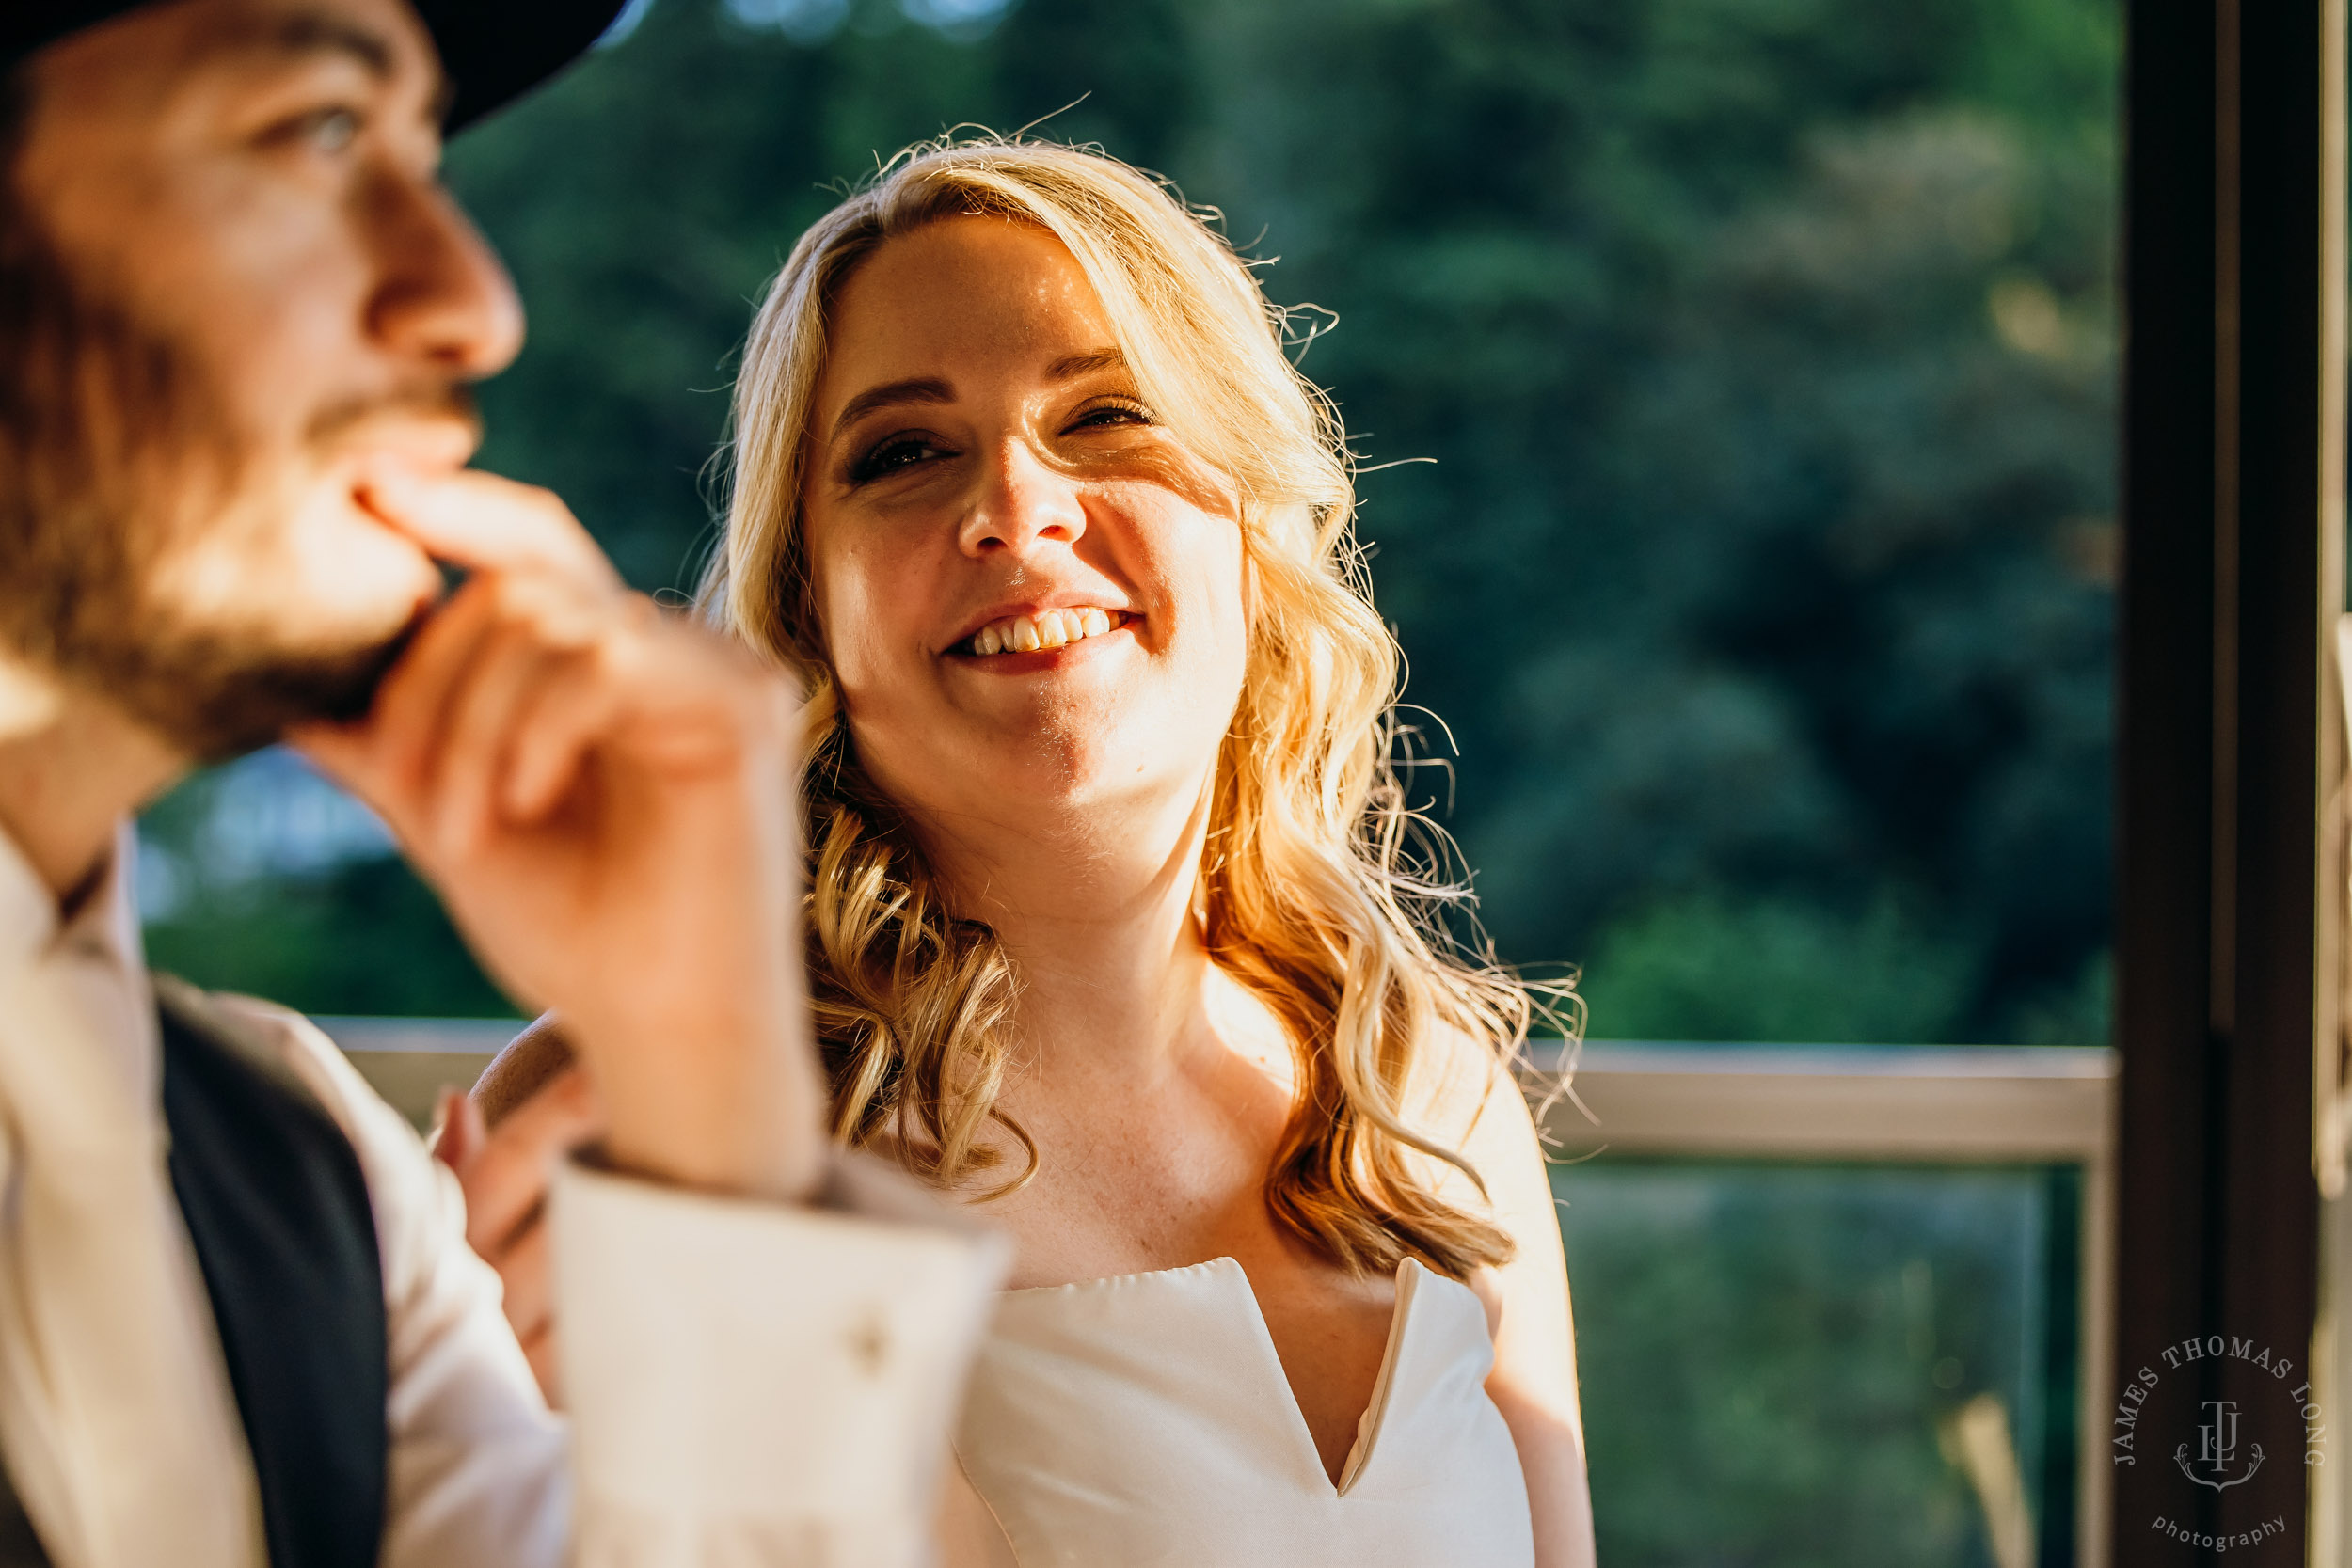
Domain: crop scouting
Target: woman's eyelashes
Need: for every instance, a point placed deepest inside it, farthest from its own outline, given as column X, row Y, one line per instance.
column 903, row 450
column 893, row 453
column 1111, row 412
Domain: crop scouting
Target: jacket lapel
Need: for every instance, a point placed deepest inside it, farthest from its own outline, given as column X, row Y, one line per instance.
column 278, row 1209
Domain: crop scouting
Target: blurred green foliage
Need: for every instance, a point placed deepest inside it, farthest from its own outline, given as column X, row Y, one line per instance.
column 362, row 937
column 343, row 928
column 1704, row 968
column 1764, row 348
column 1772, row 1358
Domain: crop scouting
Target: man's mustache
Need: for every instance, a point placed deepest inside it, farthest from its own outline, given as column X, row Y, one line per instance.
column 442, row 401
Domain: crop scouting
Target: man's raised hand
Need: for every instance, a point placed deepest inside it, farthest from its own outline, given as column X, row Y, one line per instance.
column 603, row 795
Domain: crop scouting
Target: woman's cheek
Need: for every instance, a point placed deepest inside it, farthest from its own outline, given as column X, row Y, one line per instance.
column 862, row 660
column 852, row 591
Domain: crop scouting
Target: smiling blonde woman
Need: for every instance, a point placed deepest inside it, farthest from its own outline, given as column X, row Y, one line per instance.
column 1115, row 932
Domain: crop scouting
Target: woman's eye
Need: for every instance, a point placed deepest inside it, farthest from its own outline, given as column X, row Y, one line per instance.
column 1107, row 415
column 901, row 452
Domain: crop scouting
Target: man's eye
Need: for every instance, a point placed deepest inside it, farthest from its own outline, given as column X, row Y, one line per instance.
column 330, row 129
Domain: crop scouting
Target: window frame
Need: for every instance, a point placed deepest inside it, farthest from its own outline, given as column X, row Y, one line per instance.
column 2230, row 744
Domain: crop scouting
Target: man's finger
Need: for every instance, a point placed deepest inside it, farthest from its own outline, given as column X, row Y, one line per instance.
column 566, row 717
column 539, row 1350
column 478, row 737
column 483, row 523
column 387, row 757
column 458, row 1129
column 524, row 1269
column 687, row 700
column 508, row 1178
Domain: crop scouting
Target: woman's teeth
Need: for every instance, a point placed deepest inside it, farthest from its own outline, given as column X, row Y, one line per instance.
column 1047, row 628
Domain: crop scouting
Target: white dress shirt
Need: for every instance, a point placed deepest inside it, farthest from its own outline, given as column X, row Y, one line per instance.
column 749, row 1383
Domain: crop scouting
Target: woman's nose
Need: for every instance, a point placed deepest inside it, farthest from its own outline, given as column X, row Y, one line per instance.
column 1022, row 501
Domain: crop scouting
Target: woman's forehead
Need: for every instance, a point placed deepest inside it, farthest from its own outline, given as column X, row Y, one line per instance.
column 988, row 293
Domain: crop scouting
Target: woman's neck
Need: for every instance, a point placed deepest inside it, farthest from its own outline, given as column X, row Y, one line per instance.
column 1096, row 910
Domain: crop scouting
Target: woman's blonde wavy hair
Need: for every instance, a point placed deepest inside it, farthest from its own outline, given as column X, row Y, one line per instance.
column 1321, row 891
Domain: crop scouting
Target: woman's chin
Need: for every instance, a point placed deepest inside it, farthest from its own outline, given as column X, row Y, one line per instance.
column 1029, row 770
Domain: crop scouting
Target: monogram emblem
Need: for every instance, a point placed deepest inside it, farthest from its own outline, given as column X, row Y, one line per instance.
column 2216, row 1450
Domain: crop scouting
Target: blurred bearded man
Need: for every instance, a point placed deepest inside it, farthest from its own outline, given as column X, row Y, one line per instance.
column 240, row 1323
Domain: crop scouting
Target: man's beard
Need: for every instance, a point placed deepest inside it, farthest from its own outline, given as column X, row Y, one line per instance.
column 112, row 451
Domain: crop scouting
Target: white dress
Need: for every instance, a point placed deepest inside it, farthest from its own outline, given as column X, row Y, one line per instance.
column 1145, row 1420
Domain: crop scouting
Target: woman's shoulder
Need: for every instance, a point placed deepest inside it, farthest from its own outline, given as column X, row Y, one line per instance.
column 1462, row 1089
column 1464, row 1094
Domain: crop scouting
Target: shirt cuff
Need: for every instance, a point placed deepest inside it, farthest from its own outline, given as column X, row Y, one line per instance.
column 760, row 1384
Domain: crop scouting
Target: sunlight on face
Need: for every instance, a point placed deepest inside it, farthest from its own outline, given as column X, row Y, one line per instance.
column 246, row 194
column 1030, row 593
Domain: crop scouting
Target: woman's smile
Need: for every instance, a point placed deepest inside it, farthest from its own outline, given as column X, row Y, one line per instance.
column 1004, row 640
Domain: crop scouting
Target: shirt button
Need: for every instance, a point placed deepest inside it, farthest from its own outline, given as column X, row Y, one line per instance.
column 869, row 1341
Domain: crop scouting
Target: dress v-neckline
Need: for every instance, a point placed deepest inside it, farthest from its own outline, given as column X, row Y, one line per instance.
column 1409, row 1277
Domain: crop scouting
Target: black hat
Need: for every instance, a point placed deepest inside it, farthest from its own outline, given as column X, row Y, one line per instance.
column 494, row 51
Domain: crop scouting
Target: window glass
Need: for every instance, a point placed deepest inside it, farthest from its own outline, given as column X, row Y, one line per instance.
column 1808, row 1367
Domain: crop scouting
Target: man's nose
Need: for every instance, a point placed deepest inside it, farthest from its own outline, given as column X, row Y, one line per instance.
column 1022, row 501
column 443, row 300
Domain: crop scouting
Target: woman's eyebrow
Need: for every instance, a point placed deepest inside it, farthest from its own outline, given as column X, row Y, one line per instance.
column 930, row 389
column 890, row 394
column 1086, row 364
